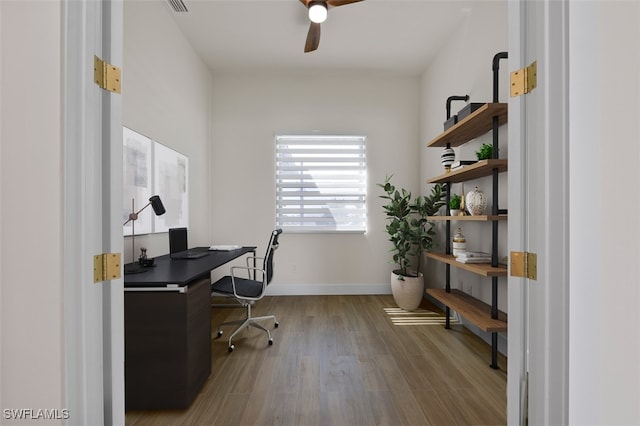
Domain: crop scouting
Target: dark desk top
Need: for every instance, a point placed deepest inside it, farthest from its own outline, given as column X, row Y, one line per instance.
column 181, row 272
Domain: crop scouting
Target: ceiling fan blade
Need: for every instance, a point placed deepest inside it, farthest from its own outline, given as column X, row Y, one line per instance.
column 336, row 3
column 313, row 38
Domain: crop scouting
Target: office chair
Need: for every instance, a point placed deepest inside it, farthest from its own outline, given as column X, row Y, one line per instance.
column 246, row 291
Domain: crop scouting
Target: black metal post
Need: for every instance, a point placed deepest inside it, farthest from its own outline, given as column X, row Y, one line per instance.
column 494, row 224
column 447, row 245
column 494, row 211
column 494, row 351
column 494, row 297
column 496, row 69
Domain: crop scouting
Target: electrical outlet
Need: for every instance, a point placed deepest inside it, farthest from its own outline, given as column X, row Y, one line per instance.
column 294, row 267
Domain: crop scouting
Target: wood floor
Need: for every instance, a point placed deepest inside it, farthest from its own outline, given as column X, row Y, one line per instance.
column 339, row 360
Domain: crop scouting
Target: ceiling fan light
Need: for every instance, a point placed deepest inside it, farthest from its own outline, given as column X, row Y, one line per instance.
column 317, row 12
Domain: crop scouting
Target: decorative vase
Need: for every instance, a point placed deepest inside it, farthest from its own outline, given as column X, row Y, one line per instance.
column 407, row 291
column 459, row 243
column 447, row 158
column 454, row 212
column 476, row 202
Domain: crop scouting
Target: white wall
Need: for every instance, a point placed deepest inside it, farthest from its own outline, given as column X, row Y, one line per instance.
column 605, row 181
column 31, row 308
column 248, row 109
column 165, row 96
column 464, row 67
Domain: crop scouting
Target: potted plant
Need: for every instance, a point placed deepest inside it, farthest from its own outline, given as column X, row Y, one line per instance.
column 454, row 204
column 411, row 234
column 485, row 152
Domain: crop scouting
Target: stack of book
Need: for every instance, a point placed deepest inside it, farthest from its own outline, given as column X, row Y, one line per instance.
column 473, row 257
column 461, row 163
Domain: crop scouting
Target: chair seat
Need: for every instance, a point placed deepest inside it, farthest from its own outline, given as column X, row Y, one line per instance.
column 244, row 287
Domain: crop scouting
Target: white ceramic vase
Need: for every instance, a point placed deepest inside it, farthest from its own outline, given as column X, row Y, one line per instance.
column 476, row 202
column 407, row 291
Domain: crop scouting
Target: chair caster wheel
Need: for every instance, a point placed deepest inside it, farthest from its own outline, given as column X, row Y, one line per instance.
column 231, row 348
column 276, row 325
column 219, row 333
column 270, row 342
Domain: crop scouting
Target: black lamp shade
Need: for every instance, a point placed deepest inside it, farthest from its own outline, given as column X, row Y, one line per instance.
column 157, row 205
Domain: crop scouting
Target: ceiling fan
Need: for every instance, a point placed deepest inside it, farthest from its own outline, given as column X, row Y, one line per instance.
column 317, row 14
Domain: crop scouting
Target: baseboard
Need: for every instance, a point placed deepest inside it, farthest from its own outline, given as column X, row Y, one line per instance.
column 276, row 289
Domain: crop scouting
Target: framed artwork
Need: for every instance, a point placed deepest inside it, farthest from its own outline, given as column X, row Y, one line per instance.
column 151, row 168
column 171, row 170
column 137, row 181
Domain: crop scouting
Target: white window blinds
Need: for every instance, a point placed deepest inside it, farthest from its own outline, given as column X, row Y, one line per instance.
column 321, row 183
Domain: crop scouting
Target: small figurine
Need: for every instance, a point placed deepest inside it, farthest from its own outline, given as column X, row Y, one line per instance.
column 143, row 255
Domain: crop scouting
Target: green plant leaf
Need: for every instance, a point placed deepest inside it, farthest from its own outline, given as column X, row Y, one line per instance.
column 454, row 201
column 408, row 227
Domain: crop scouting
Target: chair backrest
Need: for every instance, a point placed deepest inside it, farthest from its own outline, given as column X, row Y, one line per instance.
column 268, row 257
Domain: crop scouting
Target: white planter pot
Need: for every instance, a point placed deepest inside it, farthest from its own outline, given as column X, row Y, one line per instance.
column 408, row 291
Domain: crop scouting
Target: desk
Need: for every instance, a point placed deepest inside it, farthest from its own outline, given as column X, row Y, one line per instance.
column 167, row 322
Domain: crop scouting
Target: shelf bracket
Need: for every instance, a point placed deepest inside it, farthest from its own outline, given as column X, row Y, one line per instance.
column 524, row 264
column 523, row 81
column 106, row 266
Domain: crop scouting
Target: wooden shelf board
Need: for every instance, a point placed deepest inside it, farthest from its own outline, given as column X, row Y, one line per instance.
column 484, row 269
column 474, row 171
column 474, row 310
column 476, row 124
column 477, row 218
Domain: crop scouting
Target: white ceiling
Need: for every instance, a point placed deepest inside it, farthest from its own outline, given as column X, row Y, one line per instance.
column 397, row 36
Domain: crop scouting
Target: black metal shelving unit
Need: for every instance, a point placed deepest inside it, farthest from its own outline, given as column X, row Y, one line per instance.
column 487, row 118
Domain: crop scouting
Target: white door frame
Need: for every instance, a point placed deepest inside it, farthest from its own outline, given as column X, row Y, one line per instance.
column 113, row 241
column 517, row 302
column 94, row 336
column 538, row 172
column 538, row 376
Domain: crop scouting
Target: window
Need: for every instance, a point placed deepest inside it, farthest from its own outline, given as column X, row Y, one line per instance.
column 321, row 183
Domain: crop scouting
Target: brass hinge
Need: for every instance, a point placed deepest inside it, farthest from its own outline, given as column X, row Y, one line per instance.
column 106, row 266
column 106, row 75
column 525, row 80
column 524, row 265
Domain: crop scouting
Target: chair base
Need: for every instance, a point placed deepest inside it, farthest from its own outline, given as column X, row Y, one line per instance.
column 233, row 303
column 249, row 321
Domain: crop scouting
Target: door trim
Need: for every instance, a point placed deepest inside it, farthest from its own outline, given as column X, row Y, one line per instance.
column 539, row 216
column 517, row 302
column 92, row 152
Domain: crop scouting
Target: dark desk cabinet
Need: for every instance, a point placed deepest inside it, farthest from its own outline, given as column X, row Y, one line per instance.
column 167, row 358
column 167, row 330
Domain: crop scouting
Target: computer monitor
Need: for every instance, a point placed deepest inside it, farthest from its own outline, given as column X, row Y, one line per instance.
column 179, row 247
column 178, row 240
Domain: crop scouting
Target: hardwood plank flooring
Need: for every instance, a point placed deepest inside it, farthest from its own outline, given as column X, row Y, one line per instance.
column 339, row 360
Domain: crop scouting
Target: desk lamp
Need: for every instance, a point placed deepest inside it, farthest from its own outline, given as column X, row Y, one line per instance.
column 158, row 208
